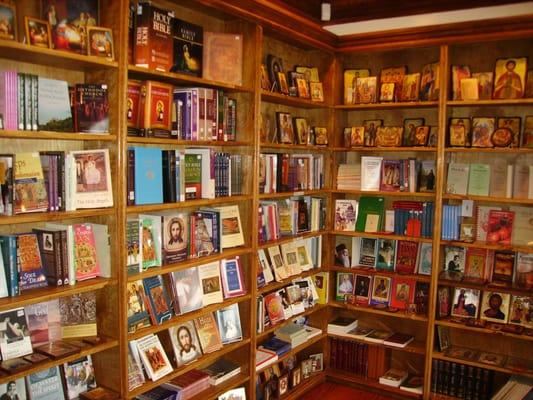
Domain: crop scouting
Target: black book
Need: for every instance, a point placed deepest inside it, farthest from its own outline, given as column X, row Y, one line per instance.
column 169, row 176
column 188, row 48
column 221, row 370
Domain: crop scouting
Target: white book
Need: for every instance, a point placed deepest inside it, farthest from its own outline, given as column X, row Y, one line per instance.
column 16, row 336
column 153, row 357
column 231, row 227
column 370, row 173
column 208, row 178
column 3, row 281
column 210, row 281
column 457, row 180
column 290, row 258
column 510, row 181
column 103, row 249
column 280, row 270
column 304, row 258
column 265, row 266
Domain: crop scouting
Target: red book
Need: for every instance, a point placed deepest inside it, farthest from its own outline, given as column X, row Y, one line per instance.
column 406, row 254
column 500, row 226
column 274, row 308
column 133, row 103
column 403, row 292
column 157, row 119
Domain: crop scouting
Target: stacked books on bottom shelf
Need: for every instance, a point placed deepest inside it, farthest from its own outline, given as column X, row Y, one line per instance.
column 517, row 387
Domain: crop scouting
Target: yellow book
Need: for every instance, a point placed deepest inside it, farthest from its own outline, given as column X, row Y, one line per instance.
column 29, row 188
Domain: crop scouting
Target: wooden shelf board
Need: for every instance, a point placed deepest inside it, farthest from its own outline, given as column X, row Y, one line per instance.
column 386, row 106
column 487, row 199
column 271, row 329
column 187, row 203
column 439, row 396
column 294, row 351
column 106, row 345
column 305, row 386
column 213, row 392
column 489, row 246
column 373, row 271
column 278, row 98
column 201, row 362
column 385, row 149
column 49, row 135
column 485, row 287
column 278, row 285
column 511, row 150
column 40, row 295
column 183, row 79
column 440, row 356
column 51, row 57
column 380, row 193
column 370, row 310
column 55, row 216
column 383, row 235
column 342, row 376
column 154, row 271
column 191, row 143
column 509, row 102
column 285, row 146
column 294, row 193
column 179, row 319
column 413, row 347
column 484, row 331
column 293, row 238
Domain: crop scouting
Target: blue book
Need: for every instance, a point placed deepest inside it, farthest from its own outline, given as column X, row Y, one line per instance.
column 158, row 300
column 279, row 346
column 148, row 175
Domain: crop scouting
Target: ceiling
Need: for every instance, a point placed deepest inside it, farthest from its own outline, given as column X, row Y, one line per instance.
column 343, row 11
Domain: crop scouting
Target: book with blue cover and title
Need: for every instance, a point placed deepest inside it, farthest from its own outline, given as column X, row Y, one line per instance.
column 148, row 175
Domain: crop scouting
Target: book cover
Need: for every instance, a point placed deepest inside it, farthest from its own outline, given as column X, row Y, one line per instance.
column 133, row 103
column 454, row 263
column 78, row 315
column 175, row 237
column 232, row 234
column 13, row 389
column 50, row 248
column 368, row 252
column 45, row 384
column 457, row 179
column 13, row 328
column 390, row 176
column 381, row 290
column 150, row 243
column 210, row 280
column 274, row 308
column 37, row 318
column 498, row 180
column 232, row 277
column 321, row 281
column 521, row 182
column 85, row 260
column 502, row 268
column 479, row 180
column 370, row 214
column 465, row 303
column 79, row 376
column 187, row 290
column 363, row 283
column 406, row 257
column 500, row 226
column 6, row 184
column 482, row 221
column 222, row 57
column 403, row 292
column 92, row 179
column 153, row 357
column 91, row 108
column 386, row 254
column 476, row 260
column 523, row 225
column 229, row 324
column 345, row 214
column 54, row 110
column 371, row 173
column 208, row 333
column 344, row 288
column 30, row 267
column 399, row 340
column 148, row 175
column 188, row 47
column 427, row 176
column 157, row 112
column 425, row 258
column 520, row 311
column 344, row 251
column 133, row 243
column 153, row 41
column 495, row 306
column 524, row 270
column 185, row 343
column 158, row 300
column 137, row 314
column 204, row 234
column 193, row 176
column 28, row 184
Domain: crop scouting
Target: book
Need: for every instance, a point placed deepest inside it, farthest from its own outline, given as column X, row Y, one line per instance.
column 413, row 384
column 345, row 214
column 425, row 259
column 264, row 357
column 221, row 370
column 368, row 248
column 91, row 108
column 231, row 231
column 476, row 260
column 187, row 290
column 232, row 277
column 522, row 232
column 188, row 47
column 454, row 263
column 500, row 226
column 208, row 333
column 205, row 233
column 386, row 255
column 17, row 337
column 398, row 340
column 79, row 376
column 29, row 190
column 175, row 230
column 210, row 280
column 363, row 283
column 78, row 315
column 14, row 389
column 37, row 319
column 465, row 303
column 193, row 176
column 229, row 324
column 185, row 343
column 274, row 308
column 223, row 57
column 53, row 105
column 426, row 179
column 523, row 277
column 344, row 288
column 156, row 116
column 406, row 257
column 148, row 175
column 371, row 173
column 503, row 262
column 45, row 384
column 370, row 214
column 403, row 292
column 381, row 290
column 29, row 264
column 495, row 306
column 137, row 313
column 377, row 336
column 519, row 311
column 153, row 357
column 457, row 178
column 479, row 179
column 86, row 263
column 393, row 377
column 390, row 176
column 158, row 300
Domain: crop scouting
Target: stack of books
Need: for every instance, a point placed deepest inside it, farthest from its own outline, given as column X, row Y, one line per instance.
column 264, row 357
column 221, row 370
column 349, row 177
column 189, row 384
column 342, row 325
column 292, row 333
column 393, row 377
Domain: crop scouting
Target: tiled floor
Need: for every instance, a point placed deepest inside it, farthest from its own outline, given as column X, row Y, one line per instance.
column 333, row 391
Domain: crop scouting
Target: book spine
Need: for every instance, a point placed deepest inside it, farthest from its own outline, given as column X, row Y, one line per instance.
column 35, row 101
column 195, row 119
column 20, row 101
column 131, row 178
column 28, row 106
column 142, row 49
column 60, row 161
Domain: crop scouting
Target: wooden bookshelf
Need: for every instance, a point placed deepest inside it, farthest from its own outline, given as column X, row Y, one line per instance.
column 186, row 204
column 428, row 195
column 388, row 106
column 49, row 135
column 393, row 149
column 383, row 235
column 270, row 287
column 370, row 310
column 56, row 216
column 487, row 331
column 278, row 98
column 373, row 271
column 413, row 347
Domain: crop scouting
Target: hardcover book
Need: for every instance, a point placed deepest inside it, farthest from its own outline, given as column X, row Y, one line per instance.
column 193, row 176
column 232, row 234
column 188, row 47
column 386, row 254
column 175, row 229
column 133, row 104
column 502, row 268
column 188, row 294
column 30, row 267
column 381, row 289
column 14, row 329
column 403, row 293
column 153, row 357
column 148, row 175
column 367, row 252
column 363, row 283
column 78, row 315
column 158, row 300
column 79, row 376
column 406, row 257
column 85, row 260
column 205, row 234
column 29, row 188
column 500, row 226
column 156, row 114
column 138, row 316
column 45, row 384
column 222, row 57
column 208, row 333
column 54, row 109
column 370, row 214
column 232, row 277
column 185, row 343
column 91, row 108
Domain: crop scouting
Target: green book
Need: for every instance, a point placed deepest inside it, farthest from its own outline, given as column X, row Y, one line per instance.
column 193, row 176
column 479, row 180
column 370, row 214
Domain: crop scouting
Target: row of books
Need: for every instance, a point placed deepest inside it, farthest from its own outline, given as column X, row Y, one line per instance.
column 495, row 180
column 289, row 259
column 159, row 40
column 368, row 214
column 282, row 304
column 30, row 102
column 386, row 175
column 190, row 340
column 288, row 217
column 276, row 381
column 283, row 172
column 503, row 268
column 157, row 109
column 490, row 132
column 54, row 255
column 157, row 176
column 383, row 254
column 493, row 306
column 151, row 301
column 383, row 292
column 461, row 381
column 395, row 84
column 55, row 181
column 170, row 237
column 274, row 348
column 42, row 327
column 189, row 385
